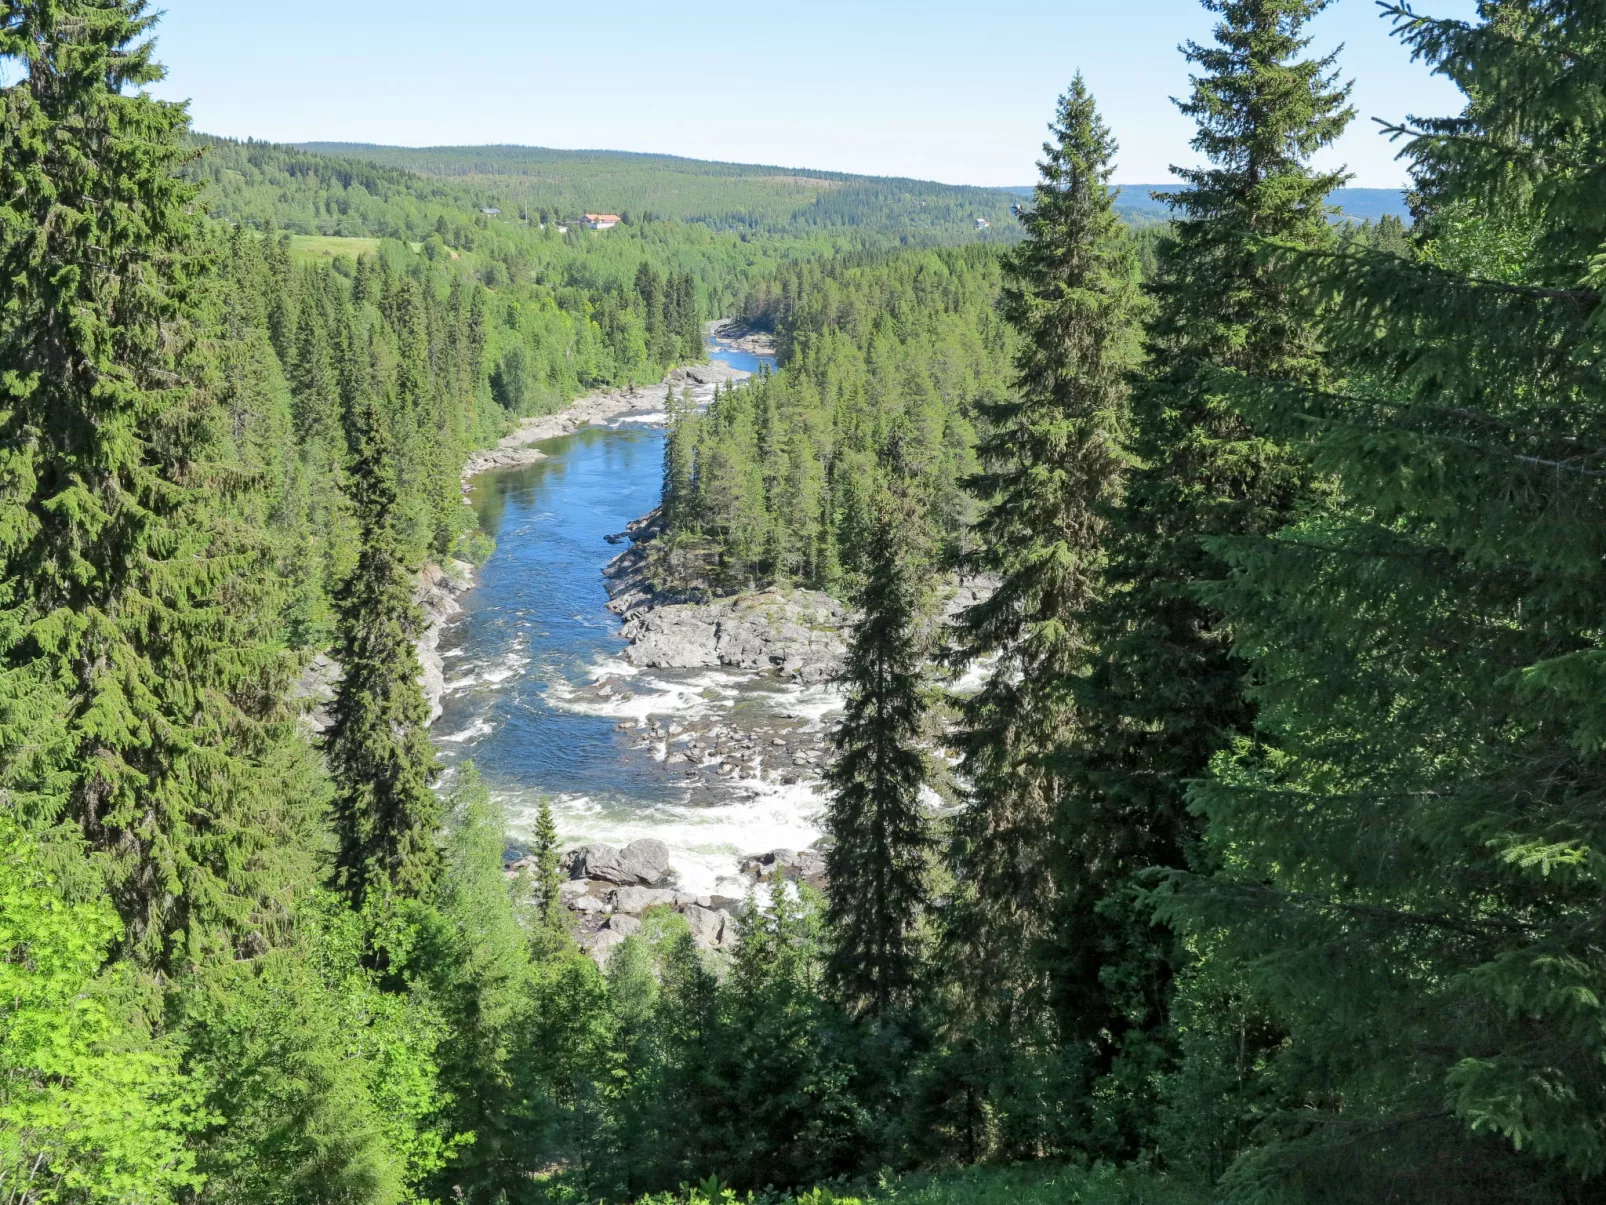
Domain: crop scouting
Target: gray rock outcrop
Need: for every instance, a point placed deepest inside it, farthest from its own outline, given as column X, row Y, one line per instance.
column 806, row 865
column 624, row 925
column 437, row 596
column 604, row 911
column 438, row 589
column 644, row 862
column 800, row 634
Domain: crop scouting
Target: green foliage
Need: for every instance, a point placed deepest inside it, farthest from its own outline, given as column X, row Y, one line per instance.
column 1022, row 1184
column 323, row 1080
column 476, row 960
column 1406, row 874
column 380, row 756
column 93, row 1106
column 779, row 486
column 1052, row 465
column 1163, row 690
column 880, row 836
column 140, row 674
column 548, row 877
column 781, row 1081
column 1296, row 649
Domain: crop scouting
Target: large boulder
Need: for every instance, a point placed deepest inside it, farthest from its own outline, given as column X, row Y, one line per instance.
column 602, row 945
column 639, row 899
column 707, row 925
column 805, row 864
column 645, row 861
column 642, row 863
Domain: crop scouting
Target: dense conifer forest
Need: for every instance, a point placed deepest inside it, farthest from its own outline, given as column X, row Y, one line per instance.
column 1273, row 873
column 745, row 197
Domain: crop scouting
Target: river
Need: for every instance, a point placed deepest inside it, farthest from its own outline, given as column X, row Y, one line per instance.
column 538, row 698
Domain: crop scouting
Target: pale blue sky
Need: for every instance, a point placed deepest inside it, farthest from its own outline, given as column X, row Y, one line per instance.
column 939, row 90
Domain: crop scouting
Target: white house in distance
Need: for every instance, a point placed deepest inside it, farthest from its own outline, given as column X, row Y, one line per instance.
column 982, row 223
column 602, row 221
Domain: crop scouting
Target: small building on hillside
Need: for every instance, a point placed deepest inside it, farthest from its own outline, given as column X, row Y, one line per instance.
column 491, row 211
column 602, row 221
column 982, row 223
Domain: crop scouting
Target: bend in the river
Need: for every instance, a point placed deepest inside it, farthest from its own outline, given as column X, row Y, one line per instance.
column 537, row 695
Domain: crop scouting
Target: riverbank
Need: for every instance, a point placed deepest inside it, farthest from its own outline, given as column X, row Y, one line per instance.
column 647, row 404
column 716, row 763
column 799, row 635
column 600, row 409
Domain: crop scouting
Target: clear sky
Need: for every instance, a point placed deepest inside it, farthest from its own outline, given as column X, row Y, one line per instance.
column 933, row 89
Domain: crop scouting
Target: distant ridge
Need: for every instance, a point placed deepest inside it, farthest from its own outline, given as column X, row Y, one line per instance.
column 723, row 195
column 1362, row 204
column 510, row 154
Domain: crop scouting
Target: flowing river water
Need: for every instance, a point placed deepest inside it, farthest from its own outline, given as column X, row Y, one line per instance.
column 538, row 698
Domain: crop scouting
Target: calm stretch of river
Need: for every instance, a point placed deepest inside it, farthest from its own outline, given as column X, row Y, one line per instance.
column 538, row 699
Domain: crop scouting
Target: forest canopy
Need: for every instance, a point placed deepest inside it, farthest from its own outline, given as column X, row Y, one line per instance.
column 1238, row 840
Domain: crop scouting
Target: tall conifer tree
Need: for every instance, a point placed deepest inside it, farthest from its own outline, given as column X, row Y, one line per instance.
column 548, row 873
column 1401, row 860
column 1053, row 463
column 881, row 837
column 386, row 817
column 134, row 672
column 1164, row 691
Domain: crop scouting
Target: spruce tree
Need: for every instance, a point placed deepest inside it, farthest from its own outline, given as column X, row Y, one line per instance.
column 386, row 816
column 1053, row 463
column 138, row 681
column 548, row 876
column 881, row 838
column 679, row 437
column 312, row 372
column 1399, row 859
column 1163, row 691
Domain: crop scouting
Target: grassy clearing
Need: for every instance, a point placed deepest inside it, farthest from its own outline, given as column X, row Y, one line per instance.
column 326, row 247
column 1024, row 1184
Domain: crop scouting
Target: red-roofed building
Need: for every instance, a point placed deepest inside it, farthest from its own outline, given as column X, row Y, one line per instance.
column 601, row 221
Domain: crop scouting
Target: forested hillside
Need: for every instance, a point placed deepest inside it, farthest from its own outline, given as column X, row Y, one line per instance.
column 1271, row 865
column 1275, row 874
column 772, row 484
column 332, row 204
column 724, row 196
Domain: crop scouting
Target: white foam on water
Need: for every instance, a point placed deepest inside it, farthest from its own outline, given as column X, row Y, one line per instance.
column 706, row 844
column 480, row 727
column 704, row 694
column 504, row 671
column 975, row 677
column 813, row 703
column 611, row 667
column 481, row 675
column 656, row 418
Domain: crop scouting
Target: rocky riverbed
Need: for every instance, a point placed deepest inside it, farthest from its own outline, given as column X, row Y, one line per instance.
column 439, row 587
column 608, row 891
column 799, row 635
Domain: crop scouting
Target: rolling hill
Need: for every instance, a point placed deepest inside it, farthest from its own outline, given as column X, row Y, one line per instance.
column 725, row 196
